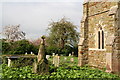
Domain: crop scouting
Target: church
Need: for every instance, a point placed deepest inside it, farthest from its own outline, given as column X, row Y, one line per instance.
column 99, row 43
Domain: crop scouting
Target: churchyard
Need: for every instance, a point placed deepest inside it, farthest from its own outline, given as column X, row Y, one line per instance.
column 46, row 66
column 60, row 67
column 64, row 54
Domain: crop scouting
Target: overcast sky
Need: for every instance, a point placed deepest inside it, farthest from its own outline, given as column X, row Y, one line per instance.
column 34, row 17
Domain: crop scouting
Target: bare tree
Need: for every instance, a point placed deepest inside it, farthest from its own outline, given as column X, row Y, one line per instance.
column 13, row 32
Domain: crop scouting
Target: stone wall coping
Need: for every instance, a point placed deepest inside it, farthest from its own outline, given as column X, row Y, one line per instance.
column 97, row 49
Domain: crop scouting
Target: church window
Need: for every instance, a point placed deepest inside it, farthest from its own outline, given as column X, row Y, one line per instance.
column 101, row 39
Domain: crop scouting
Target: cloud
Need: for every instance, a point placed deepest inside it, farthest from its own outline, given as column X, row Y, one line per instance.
column 35, row 17
column 0, row 17
column 41, row 0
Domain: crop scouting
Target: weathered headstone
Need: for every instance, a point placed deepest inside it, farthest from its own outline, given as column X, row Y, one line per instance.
column 65, row 58
column 47, row 57
column 32, row 53
column 71, row 59
column 61, row 55
column 53, row 54
column 9, row 62
column 53, row 57
column 26, row 53
column 41, row 64
column 56, row 60
column 69, row 54
column 72, row 53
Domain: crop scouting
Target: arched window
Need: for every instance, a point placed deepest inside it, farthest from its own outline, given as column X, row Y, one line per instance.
column 100, row 39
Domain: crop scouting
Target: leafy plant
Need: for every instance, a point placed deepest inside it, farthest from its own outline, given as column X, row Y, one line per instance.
column 56, row 73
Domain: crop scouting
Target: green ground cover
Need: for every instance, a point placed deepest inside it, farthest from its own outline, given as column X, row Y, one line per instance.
column 65, row 71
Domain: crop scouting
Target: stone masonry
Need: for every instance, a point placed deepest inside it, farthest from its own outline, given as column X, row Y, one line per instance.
column 99, row 44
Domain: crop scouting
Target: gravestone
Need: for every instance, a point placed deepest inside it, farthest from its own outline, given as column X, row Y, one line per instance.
column 72, row 53
column 69, row 54
column 65, row 58
column 47, row 57
column 56, row 60
column 53, row 57
column 9, row 62
column 53, row 54
column 26, row 53
column 71, row 59
column 40, row 65
column 61, row 55
column 32, row 53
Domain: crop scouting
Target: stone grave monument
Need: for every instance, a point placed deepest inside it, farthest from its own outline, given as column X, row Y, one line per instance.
column 53, row 57
column 53, row 54
column 65, row 58
column 69, row 54
column 56, row 60
column 72, row 53
column 47, row 57
column 72, row 59
column 40, row 65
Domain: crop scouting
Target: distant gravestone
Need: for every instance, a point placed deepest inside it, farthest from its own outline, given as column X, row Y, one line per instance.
column 72, row 53
column 26, row 53
column 72, row 59
column 31, row 53
column 53, row 54
column 9, row 62
column 65, row 58
column 40, row 65
column 56, row 60
column 53, row 59
column 69, row 54
column 61, row 55
column 47, row 57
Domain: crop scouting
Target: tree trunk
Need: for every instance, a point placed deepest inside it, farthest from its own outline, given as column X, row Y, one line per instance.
column 62, row 43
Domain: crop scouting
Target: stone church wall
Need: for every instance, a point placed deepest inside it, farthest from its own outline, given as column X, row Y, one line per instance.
column 98, row 15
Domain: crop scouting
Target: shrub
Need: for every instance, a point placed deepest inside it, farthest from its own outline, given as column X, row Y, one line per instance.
column 21, row 62
column 18, row 47
column 53, row 49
